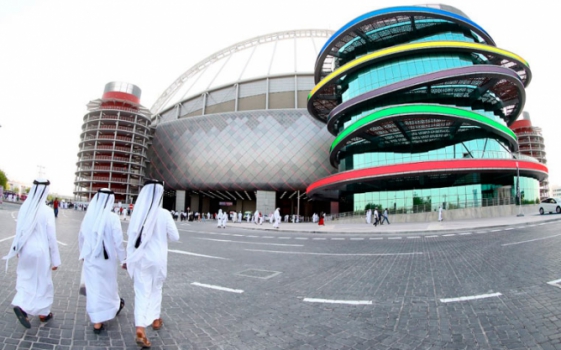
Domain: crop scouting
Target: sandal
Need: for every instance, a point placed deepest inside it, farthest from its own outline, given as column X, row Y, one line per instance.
column 121, row 306
column 22, row 317
column 142, row 341
column 46, row 318
column 98, row 330
column 157, row 324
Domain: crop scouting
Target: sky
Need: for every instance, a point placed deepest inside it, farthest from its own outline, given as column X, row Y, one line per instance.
column 57, row 55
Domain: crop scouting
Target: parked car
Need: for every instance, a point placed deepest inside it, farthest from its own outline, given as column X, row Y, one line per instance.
column 550, row 205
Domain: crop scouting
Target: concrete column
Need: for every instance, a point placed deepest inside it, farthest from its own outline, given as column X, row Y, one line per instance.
column 195, row 203
column 266, row 201
column 179, row 200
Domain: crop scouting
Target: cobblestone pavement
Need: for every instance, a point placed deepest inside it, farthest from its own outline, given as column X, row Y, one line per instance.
column 235, row 288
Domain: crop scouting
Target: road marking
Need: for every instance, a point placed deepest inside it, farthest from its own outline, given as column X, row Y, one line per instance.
column 554, row 283
column 431, row 236
column 319, row 239
column 464, row 233
column 253, row 236
column 413, row 237
column 471, row 297
column 541, row 224
column 333, row 254
column 508, row 229
column 59, row 242
column 347, row 302
column 375, row 238
column 394, row 238
column 268, row 237
column 495, row 230
column 258, row 243
column 195, row 254
column 531, row 225
column 449, row 235
column 236, row 235
column 480, row 232
column 217, row 287
column 301, row 238
column 284, row 237
column 357, row 239
column 337, row 239
column 531, row 240
column 7, row 238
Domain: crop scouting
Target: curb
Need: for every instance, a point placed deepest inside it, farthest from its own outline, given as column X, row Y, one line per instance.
column 417, row 232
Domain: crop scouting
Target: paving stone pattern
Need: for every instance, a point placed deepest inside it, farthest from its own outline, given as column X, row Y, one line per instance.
column 405, row 284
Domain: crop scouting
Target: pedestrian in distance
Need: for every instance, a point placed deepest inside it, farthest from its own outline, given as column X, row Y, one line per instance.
column 221, row 218
column 101, row 249
column 277, row 217
column 376, row 217
column 150, row 229
column 56, row 204
column 385, row 217
column 36, row 247
column 440, row 214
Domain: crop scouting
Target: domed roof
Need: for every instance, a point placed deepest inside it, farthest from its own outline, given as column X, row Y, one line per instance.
column 273, row 55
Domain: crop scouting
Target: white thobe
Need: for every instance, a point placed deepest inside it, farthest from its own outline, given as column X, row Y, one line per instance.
column 439, row 214
column 277, row 219
column 256, row 217
column 34, row 284
column 368, row 217
column 150, row 271
column 240, row 217
column 100, row 275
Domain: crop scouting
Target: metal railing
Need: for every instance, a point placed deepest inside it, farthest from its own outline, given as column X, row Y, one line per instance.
column 431, row 207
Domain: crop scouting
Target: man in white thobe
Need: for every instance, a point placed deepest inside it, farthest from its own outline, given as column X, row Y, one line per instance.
column 36, row 247
column 101, row 248
column 256, row 217
column 221, row 218
column 150, row 229
column 369, row 216
column 277, row 217
column 240, row 217
column 439, row 213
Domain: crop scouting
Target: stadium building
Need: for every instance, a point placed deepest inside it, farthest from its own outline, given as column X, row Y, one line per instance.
column 233, row 132
column 419, row 101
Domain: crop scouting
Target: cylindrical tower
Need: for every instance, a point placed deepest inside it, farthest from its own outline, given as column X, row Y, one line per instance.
column 531, row 143
column 420, row 100
column 113, row 144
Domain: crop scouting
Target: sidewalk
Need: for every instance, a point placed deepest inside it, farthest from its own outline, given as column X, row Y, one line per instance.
column 332, row 227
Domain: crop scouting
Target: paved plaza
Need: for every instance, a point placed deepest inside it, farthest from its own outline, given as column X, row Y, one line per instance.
column 473, row 284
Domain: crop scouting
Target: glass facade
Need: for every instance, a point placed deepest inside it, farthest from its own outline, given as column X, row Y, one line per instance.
column 456, row 197
column 398, row 103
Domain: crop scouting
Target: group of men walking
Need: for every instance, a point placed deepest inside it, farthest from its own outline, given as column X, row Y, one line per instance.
column 376, row 217
column 101, row 250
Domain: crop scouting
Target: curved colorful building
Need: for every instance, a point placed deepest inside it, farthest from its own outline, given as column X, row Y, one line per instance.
column 420, row 101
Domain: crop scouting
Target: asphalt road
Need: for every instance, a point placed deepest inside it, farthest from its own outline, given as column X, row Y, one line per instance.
column 496, row 288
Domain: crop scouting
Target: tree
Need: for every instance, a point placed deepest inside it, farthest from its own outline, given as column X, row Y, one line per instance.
column 420, row 204
column 3, row 180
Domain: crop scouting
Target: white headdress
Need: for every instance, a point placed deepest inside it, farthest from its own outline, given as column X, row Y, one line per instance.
column 27, row 216
column 143, row 219
column 94, row 221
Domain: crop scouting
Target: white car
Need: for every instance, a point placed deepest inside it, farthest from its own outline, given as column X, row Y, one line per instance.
column 550, row 205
